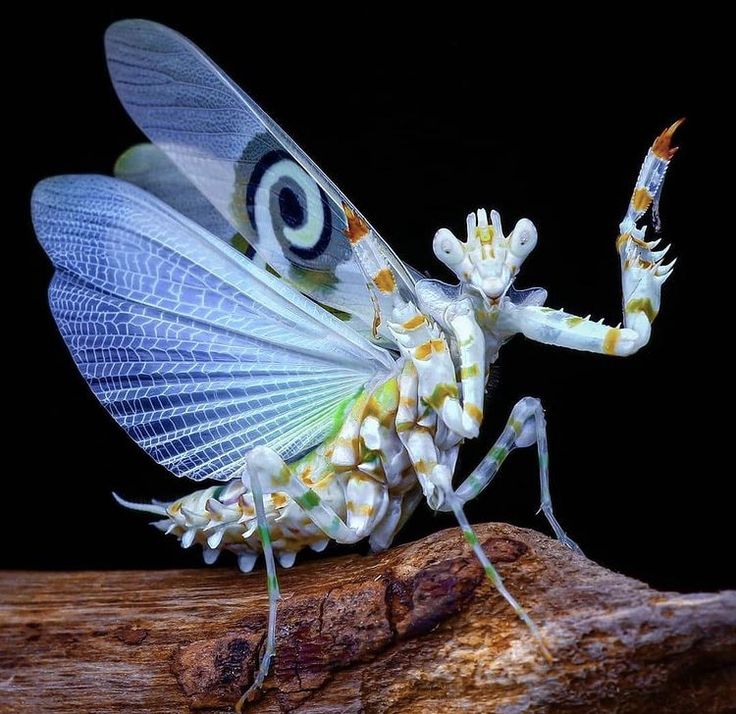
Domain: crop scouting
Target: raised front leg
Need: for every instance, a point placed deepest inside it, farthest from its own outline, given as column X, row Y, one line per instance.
column 643, row 273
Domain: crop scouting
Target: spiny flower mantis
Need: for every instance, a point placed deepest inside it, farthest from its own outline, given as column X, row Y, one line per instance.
column 324, row 385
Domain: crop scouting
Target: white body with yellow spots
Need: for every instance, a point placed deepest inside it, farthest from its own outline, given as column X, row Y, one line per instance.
column 400, row 437
column 329, row 394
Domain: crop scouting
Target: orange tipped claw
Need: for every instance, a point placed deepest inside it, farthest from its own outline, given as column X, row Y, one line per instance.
column 662, row 147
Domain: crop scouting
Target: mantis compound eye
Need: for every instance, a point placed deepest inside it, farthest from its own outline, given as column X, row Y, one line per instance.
column 523, row 238
column 447, row 248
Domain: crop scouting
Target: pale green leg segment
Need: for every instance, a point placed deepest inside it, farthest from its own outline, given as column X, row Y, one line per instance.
column 525, row 426
column 322, row 515
column 273, row 587
column 267, row 472
column 493, row 576
column 543, row 454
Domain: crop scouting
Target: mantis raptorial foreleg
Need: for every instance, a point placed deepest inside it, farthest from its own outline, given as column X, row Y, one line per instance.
column 423, row 342
column 643, row 273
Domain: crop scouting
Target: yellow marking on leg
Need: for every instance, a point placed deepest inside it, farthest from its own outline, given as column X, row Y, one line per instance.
column 641, row 199
column 662, row 147
column 516, row 425
column 408, row 402
column 306, row 475
column 574, row 321
column 360, row 477
column 323, row 481
column 357, row 227
column 431, row 430
column 279, row 500
column 384, row 280
column 383, row 403
column 475, row 413
column 611, row 340
column 245, row 509
column 424, row 467
column 439, row 394
column 414, row 322
column 438, row 346
column 644, row 305
column 424, row 351
column 471, row 370
column 386, row 395
column 361, row 510
column 352, row 443
column 622, row 240
column 282, row 477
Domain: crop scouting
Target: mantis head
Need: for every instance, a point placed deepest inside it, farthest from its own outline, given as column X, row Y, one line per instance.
column 487, row 259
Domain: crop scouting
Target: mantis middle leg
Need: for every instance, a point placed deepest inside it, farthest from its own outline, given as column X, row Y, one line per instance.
column 525, row 427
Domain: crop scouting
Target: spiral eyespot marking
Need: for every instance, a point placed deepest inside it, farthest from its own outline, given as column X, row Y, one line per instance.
column 290, row 208
column 286, row 204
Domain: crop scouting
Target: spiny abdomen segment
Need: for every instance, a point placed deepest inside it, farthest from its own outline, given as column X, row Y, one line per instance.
column 224, row 518
column 361, row 474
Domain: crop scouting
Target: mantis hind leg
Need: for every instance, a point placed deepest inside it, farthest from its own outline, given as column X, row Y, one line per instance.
column 526, row 426
column 251, row 474
column 266, row 472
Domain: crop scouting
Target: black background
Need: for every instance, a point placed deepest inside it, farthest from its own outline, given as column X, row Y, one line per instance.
column 418, row 127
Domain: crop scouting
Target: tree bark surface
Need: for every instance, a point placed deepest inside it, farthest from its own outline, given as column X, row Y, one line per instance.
column 414, row 629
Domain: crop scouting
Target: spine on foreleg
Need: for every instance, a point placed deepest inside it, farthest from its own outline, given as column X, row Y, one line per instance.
column 642, row 268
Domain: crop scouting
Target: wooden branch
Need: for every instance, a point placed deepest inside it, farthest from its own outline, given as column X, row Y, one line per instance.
column 415, row 629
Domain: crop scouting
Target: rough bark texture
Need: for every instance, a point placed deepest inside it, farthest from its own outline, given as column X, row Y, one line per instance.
column 416, row 629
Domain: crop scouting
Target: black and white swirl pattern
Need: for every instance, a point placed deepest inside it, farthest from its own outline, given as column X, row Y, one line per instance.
column 287, row 217
column 284, row 203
